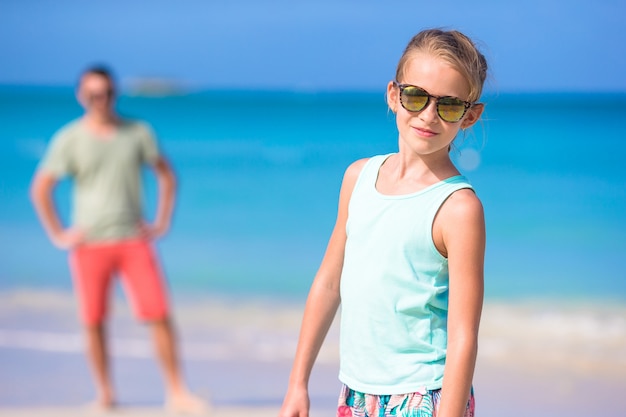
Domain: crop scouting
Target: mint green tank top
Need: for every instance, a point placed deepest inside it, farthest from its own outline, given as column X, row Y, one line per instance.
column 394, row 288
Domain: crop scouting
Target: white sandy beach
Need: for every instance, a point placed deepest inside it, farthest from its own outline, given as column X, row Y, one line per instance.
column 555, row 360
column 133, row 412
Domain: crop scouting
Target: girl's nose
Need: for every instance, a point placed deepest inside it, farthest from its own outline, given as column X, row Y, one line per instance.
column 429, row 113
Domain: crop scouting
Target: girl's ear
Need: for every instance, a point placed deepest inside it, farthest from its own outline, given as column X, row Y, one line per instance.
column 473, row 115
column 392, row 97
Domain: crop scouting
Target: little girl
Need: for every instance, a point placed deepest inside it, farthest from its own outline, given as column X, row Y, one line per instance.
column 405, row 258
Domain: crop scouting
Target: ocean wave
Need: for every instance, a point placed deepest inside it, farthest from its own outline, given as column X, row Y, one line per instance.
column 575, row 336
column 211, row 329
column 141, row 348
column 554, row 334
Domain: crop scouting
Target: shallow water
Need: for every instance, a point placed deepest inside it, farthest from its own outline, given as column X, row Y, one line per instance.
column 260, row 173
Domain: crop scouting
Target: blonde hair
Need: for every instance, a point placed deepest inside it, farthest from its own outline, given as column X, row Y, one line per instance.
column 454, row 48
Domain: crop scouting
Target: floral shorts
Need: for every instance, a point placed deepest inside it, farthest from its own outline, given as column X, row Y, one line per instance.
column 357, row 404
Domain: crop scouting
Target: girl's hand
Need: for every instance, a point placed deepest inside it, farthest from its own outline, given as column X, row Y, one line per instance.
column 296, row 403
column 68, row 238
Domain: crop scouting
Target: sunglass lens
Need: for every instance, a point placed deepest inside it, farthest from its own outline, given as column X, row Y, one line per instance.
column 450, row 109
column 413, row 98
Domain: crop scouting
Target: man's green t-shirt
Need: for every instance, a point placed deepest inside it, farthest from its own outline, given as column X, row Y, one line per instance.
column 107, row 176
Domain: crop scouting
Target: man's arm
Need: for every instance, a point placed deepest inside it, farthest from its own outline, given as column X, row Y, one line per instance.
column 41, row 195
column 166, row 180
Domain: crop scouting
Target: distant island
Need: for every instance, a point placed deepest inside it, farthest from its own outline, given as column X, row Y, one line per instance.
column 153, row 87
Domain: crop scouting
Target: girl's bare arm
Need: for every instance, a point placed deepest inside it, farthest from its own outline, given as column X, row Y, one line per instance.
column 321, row 306
column 463, row 233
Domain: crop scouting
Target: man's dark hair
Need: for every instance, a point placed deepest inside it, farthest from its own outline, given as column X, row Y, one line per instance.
column 98, row 69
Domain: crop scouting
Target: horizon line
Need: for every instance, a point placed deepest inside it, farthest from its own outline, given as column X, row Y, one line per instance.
column 182, row 90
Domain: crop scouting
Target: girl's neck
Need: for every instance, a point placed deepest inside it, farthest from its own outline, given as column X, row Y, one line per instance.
column 412, row 165
column 406, row 173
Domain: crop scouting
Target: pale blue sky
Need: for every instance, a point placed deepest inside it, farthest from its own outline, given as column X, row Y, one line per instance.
column 535, row 45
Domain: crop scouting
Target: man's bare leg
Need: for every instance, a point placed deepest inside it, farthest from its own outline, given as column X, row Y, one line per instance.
column 98, row 357
column 179, row 398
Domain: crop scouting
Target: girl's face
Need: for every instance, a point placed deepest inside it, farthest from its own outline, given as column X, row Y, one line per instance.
column 424, row 133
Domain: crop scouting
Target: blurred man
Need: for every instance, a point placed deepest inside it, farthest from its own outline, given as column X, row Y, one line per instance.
column 104, row 155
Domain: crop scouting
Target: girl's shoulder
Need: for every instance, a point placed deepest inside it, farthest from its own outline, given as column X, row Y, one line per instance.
column 350, row 178
column 460, row 222
column 354, row 169
column 462, row 207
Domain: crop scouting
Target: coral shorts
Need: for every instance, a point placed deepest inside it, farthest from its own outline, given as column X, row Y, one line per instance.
column 93, row 267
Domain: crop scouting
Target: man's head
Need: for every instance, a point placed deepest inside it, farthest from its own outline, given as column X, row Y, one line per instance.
column 96, row 91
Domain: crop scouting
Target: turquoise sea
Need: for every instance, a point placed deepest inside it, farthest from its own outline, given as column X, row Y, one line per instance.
column 260, row 171
column 259, row 176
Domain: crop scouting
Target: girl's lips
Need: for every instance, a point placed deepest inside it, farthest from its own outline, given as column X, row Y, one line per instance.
column 424, row 132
